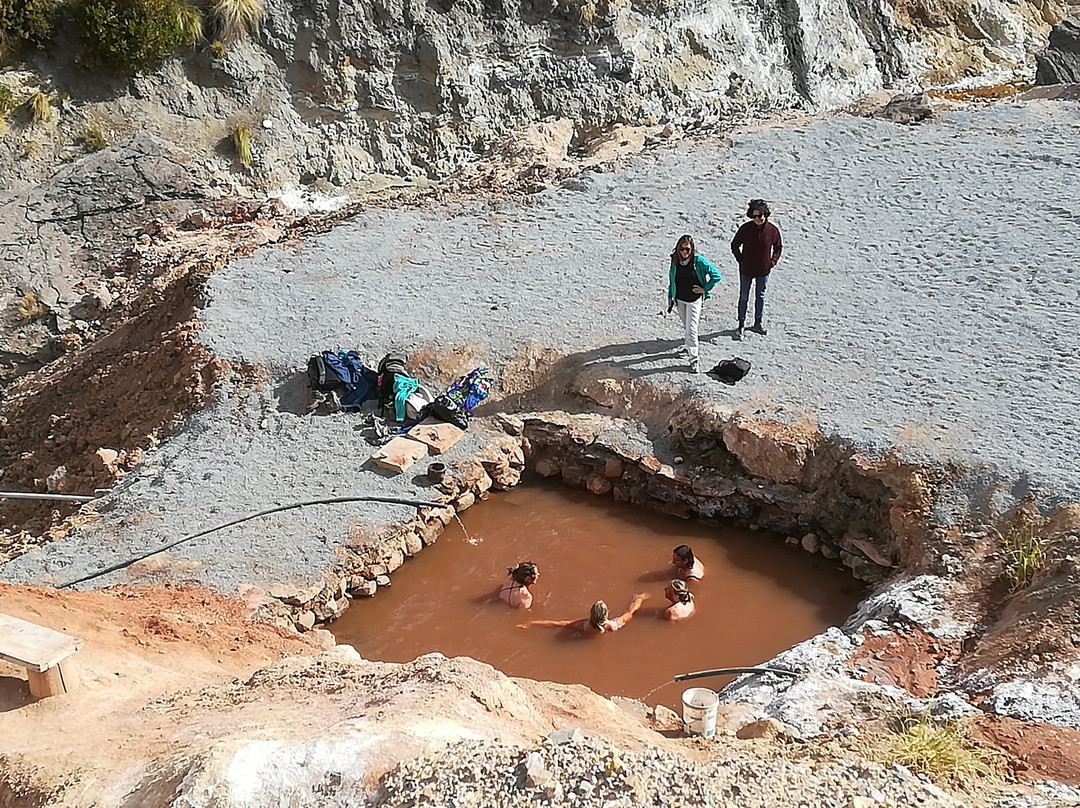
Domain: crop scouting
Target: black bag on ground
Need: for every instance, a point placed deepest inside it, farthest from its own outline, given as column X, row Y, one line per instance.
column 446, row 409
column 390, row 367
column 731, row 370
column 321, row 377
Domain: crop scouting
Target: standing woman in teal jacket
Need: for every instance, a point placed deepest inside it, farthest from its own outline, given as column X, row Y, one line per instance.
column 689, row 281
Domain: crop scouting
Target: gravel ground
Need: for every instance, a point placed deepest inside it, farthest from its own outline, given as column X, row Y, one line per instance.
column 927, row 295
column 586, row 772
column 927, row 298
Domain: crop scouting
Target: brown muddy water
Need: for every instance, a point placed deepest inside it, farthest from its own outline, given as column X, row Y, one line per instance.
column 758, row 596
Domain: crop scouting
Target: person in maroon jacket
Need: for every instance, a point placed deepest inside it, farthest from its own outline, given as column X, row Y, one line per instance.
column 757, row 247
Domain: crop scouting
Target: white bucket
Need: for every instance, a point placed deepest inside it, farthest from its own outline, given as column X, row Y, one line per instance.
column 699, row 706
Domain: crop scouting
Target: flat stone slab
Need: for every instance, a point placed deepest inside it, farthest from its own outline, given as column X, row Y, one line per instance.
column 399, row 454
column 437, row 435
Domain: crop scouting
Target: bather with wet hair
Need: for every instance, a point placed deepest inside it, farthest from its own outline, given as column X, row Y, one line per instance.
column 686, row 565
column 681, row 599
column 515, row 592
column 598, row 621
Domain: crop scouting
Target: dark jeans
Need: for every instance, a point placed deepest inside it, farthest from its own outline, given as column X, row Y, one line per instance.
column 759, row 297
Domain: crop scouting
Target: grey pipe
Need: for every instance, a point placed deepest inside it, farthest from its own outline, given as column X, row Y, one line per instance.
column 60, row 497
column 682, row 677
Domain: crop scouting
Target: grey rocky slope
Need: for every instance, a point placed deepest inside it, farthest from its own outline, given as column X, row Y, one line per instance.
column 342, row 93
column 61, row 242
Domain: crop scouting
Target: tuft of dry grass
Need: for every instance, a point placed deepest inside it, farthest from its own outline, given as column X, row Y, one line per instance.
column 217, row 49
column 235, row 18
column 1024, row 545
column 588, row 13
column 241, row 138
column 30, row 308
column 40, row 105
column 189, row 20
column 1025, row 554
column 942, row 752
column 93, row 138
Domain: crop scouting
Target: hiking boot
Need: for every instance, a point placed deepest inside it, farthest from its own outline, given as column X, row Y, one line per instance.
column 758, row 328
column 738, row 332
column 694, row 366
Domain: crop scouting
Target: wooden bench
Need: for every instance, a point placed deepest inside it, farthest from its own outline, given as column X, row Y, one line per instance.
column 38, row 649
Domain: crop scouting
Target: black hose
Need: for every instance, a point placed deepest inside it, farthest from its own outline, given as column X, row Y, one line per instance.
column 682, row 677
column 332, row 500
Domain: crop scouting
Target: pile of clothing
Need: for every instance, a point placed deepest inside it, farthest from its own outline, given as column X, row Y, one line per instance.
column 340, row 381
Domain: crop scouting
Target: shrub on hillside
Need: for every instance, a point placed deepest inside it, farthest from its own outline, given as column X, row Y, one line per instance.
column 131, row 35
column 28, row 21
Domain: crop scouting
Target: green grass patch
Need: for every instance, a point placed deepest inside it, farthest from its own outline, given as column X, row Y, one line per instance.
column 8, row 101
column 132, row 35
column 1023, row 543
column 26, row 22
column 1025, row 555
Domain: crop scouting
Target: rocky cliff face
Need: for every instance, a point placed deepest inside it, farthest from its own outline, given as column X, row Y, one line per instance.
column 342, row 91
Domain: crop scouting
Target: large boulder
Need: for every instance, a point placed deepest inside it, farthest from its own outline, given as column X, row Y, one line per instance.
column 1060, row 63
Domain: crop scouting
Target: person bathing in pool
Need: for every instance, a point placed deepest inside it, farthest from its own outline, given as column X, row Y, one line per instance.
column 681, row 599
column 598, row 621
column 515, row 592
column 686, row 566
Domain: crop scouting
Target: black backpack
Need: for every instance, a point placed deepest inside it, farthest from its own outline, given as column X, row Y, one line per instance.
column 390, row 367
column 731, row 370
column 321, row 377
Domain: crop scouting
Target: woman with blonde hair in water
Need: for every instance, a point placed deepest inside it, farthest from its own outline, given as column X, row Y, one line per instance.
column 598, row 621
column 515, row 592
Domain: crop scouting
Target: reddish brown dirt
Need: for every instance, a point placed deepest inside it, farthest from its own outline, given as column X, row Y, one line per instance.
column 1034, row 751
column 141, row 645
column 1031, row 751
column 151, row 368
column 145, row 361
column 908, row 661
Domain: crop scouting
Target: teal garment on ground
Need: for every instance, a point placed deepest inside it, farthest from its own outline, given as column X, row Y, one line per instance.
column 403, row 388
column 708, row 276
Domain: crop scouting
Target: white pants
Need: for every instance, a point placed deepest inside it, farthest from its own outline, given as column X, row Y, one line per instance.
column 690, row 314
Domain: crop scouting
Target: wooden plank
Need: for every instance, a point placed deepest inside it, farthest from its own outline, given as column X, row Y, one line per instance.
column 399, row 454
column 33, row 646
column 49, row 683
column 438, row 435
